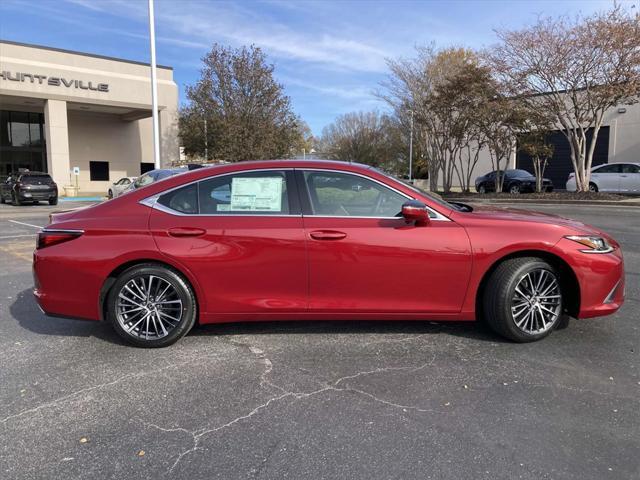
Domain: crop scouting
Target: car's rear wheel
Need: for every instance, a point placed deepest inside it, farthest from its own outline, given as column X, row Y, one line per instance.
column 523, row 299
column 482, row 188
column 151, row 306
column 514, row 189
column 53, row 201
column 593, row 187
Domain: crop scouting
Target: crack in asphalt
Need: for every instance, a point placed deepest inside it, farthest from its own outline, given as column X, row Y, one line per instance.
column 82, row 391
column 198, row 435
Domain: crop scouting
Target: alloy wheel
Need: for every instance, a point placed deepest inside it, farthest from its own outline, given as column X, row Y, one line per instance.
column 148, row 307
column 537, row 301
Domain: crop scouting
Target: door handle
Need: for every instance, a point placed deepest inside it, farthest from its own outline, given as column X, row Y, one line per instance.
column 327, row 235
column 186, row 232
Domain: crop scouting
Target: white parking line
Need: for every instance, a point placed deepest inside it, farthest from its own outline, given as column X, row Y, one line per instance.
column 18, row 236
column 23, row 223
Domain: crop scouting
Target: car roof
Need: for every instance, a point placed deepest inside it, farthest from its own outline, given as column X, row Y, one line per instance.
column 30, row 173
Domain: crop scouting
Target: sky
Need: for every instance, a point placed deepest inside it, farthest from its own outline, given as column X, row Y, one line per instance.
column 330, row 56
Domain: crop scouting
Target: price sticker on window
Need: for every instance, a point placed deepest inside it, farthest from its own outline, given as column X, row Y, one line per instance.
column 260, row 194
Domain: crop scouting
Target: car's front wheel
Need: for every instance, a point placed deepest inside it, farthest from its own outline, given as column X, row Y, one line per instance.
column 523, row 299
column 482, row 188
column 514, row 189
column 151, row 306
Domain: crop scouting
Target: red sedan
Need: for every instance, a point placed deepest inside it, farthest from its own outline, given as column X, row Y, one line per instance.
column 278, row 240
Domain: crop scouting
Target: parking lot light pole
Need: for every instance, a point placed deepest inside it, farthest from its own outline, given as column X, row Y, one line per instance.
column 154, row 88
column 411, row 149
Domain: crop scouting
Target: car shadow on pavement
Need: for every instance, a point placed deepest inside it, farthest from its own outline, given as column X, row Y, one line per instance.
column 29, row 316
column 471, row 330
column 26, row 312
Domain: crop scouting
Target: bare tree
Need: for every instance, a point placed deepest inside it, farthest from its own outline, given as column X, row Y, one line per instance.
column 442, row 88
column 248, row 115
column 575, row 69
column 363, row 137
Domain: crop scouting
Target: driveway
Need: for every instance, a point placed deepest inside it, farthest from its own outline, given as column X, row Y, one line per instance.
column 370, row 400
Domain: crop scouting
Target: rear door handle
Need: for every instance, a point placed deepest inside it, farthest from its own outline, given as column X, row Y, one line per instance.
column 327, row 235
column 186, row 232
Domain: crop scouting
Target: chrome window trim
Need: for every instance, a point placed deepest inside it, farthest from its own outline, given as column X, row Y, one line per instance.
column 60, row 230
column 438, row 216
column 152, row 201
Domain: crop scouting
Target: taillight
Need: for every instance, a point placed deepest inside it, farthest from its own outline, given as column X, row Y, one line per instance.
column 47, row 238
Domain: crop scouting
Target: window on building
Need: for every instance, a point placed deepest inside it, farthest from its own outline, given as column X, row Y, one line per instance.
column 99, row 171
column 146, row 167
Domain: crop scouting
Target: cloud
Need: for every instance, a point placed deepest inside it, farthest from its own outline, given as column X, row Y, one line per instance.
column 199, row 24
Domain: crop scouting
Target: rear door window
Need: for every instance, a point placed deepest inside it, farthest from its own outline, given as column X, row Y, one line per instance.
column 248, row 193
column 181, row 200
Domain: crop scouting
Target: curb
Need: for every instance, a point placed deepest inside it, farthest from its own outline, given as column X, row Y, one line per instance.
column 619, row 203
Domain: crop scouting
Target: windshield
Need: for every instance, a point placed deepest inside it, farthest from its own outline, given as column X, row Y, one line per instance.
column 430, row 195
column 520, row 173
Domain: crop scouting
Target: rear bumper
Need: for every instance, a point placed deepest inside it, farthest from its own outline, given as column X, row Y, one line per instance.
column 35, row 195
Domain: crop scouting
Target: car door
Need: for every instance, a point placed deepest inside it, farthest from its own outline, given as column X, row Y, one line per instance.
column 630, row 178
column 607, row 177
column 365, row 258
column 241, row 236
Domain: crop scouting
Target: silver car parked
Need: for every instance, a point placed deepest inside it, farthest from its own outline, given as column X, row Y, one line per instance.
column 118, row 187
column 612, row 177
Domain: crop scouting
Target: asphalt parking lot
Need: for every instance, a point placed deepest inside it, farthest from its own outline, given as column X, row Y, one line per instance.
column 347, row 400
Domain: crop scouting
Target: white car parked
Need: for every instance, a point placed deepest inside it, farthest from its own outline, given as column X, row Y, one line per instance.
column 118, row 187
column 611, row 177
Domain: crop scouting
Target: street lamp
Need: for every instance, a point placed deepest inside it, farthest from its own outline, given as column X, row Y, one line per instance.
column 154, row 89
column 411, row 149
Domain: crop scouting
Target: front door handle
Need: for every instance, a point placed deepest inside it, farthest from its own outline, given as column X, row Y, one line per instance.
column 327, row 235
column 186, row 232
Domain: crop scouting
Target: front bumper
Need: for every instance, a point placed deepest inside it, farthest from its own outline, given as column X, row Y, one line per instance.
column 600, row 278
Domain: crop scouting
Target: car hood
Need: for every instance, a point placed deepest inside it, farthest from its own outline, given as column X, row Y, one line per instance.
column 518, row 215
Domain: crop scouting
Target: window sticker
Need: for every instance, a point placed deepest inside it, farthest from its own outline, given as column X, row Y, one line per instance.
column 257, row 194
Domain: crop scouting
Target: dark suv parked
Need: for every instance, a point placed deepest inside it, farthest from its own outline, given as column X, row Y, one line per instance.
column 23, row 187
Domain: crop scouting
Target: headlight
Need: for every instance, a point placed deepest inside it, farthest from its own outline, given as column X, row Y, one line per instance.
column 593, row 244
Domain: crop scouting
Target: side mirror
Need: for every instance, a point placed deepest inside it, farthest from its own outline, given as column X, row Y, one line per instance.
column 416, row 211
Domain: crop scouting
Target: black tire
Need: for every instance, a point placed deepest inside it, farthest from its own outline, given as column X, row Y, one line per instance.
column 183, row 292
column 53, row 201
column 500, row 290
column 15, row 200
column 2, row 200
column 109, row 194
column 514, row 189
column 482, row 188
column 593, row 187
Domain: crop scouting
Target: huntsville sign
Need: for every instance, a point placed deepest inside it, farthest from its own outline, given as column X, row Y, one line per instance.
column 53, row 81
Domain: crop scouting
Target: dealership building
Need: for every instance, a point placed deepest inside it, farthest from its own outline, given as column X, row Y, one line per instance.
column 67, row 113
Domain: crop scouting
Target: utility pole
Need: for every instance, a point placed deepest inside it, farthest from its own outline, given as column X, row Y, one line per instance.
column 411, row 150
column 206, row 141
column 154, row 88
